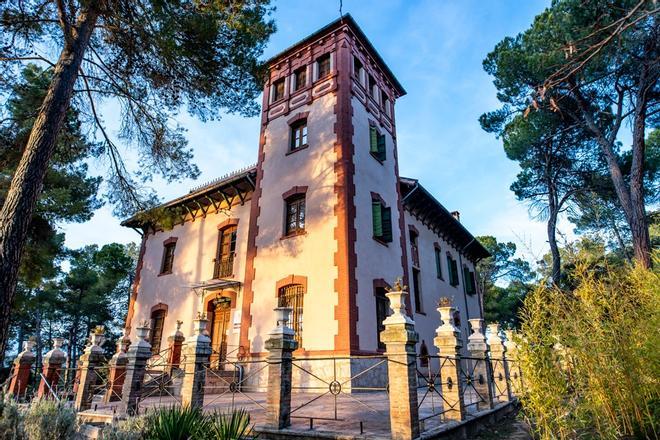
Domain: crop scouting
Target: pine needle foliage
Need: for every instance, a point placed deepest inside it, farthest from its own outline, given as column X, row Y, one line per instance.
column 589, row 356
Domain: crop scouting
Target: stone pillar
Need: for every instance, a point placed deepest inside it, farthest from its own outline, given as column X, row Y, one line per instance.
column 197, row 351
column 117, row 372
column 501, row 382
column 50, row 375
column 480, row 364
column 448, row 342
column 137, row 356
column 515, row 373
column 400, row 338
column 21, row 370
column 280, row 346
column 91, row 358
column 175, row 343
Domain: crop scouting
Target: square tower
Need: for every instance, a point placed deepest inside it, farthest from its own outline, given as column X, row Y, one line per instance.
column 326, row 231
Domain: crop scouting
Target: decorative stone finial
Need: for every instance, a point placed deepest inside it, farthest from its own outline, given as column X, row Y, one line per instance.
column 99, row 330
column 397, row 297
column 57, row 343
column 398, row 286
column 178, row 325
column 444, row 301
column 283, row 317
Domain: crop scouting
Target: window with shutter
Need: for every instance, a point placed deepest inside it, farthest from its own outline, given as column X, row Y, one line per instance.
column 382, row 221
column 168, row 258
column 373, row 140
column 377, row 146
column 454, row 273
column 438, row 262
column 417, row 292
column 381, row 147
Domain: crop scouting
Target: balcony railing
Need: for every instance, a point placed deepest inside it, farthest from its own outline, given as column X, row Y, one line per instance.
column 224, row 267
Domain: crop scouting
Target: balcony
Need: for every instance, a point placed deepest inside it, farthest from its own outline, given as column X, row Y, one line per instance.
column 224, row 267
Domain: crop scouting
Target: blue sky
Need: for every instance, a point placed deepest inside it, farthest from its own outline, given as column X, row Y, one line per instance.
column 435, row 48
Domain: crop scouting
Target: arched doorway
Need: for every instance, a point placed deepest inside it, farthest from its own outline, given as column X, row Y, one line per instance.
column 219, row 311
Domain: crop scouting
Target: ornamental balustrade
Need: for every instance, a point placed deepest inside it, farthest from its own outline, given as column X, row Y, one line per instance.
column 395, row 393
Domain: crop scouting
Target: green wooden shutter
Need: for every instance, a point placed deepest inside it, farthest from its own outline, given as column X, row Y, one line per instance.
column 466, row 279
column 454, row 272
column 438, row 263
column 377, row 219
column 381, row 147
column 387, row 224
column 373, row 140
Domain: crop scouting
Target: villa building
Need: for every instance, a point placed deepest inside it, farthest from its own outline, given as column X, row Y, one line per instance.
column 322, row 223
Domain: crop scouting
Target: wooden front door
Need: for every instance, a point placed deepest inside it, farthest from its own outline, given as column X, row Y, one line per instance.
column 219, row 328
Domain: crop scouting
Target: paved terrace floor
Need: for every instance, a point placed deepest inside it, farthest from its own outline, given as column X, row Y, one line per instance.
column 365, row 413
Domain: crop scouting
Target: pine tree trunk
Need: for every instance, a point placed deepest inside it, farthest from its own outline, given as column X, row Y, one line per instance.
column 552, row 241
column 28, row 179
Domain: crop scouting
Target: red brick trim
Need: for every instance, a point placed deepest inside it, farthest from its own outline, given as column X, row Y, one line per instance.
column 159, row 307
column 294, row 191
column 227, row 223
column 253, row 230
column 136, row 283
column 291, row 279
column 297, row 117
column 346, row 311
column 170, row 241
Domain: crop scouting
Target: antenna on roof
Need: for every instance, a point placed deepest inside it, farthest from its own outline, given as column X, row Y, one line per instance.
column 341, row 14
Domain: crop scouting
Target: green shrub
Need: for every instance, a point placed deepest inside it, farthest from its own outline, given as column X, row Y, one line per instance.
column 11, row 420
column 130, row 429
column 231, row 425
column 48, row 419
column 590, row 357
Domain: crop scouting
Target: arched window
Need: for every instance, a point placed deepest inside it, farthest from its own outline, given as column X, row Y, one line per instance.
column 291, row 296
column 157, row 321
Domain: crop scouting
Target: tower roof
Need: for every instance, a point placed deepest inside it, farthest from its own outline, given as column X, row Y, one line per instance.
column 348, row 20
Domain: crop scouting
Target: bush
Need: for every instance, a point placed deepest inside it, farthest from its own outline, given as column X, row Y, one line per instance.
column 11, row 420
column 48, row 419
column 130, row 429
column 590, row 357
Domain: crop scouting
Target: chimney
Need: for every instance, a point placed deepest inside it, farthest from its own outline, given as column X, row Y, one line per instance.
column 456, row 215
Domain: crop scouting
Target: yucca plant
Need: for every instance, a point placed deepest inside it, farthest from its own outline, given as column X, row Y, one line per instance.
column 234, row 425
column 177, row 423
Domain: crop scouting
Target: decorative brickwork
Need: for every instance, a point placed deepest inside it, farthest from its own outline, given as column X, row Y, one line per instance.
column 480, row 368
column 138, row 354
column 91, row 358
column 280, row 346
column 116, row 373
column 501, row 379
column 197, row 352
column 448, row 342
column 21, row 370
column 52, row 368
column 400, row 338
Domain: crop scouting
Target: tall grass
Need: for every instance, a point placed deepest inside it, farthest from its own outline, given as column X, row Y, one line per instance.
column 591, row 356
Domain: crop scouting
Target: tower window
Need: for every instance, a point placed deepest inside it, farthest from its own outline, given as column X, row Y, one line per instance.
column 298, row 135
column 452, row 269
column 292, row 296
column 438, row 262
column 358, row 69
column 417, row 292
column 373, row 88
column 300, row 78
column 385, row 102
column 168, row 258
column 377, row 144
column 414, row 248
column 295, row 215
column 382, row 311
column 323, row 66
column 382, row 221
column 278, row 90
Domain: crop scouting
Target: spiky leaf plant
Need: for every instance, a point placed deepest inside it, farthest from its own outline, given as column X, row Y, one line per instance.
column 233, row 425
column 177, row 423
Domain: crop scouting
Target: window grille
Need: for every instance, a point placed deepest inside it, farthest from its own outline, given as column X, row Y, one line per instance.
column 292, row 296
